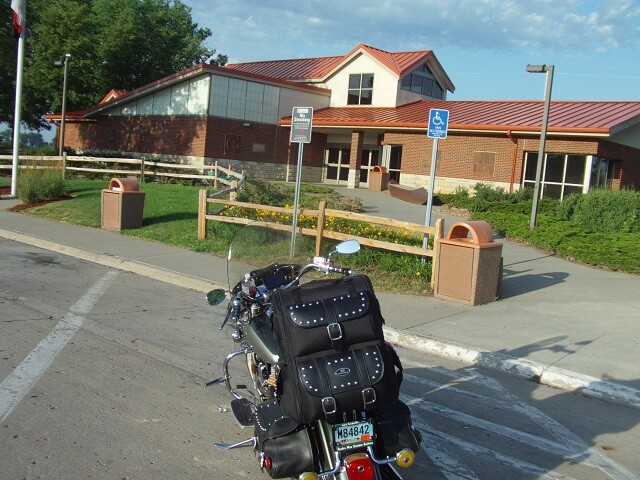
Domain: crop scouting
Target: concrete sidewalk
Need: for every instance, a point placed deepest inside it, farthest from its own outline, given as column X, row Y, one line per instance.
column 562, row 324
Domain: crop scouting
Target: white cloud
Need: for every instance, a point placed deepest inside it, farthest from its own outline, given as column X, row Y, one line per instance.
column 258, row 29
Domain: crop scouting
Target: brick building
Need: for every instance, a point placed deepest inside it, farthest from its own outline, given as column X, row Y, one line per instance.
column 370, row 108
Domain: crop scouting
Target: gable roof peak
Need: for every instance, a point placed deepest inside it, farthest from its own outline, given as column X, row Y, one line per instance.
column 318, row 69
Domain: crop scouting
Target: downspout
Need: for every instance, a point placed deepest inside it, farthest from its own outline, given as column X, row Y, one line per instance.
column 513, row 159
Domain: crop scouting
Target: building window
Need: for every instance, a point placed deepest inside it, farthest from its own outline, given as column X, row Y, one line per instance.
column 602, row 171
column 422, row 82
column 564, row 174
column 360, row 89
column 244, row 100
column 186, row 98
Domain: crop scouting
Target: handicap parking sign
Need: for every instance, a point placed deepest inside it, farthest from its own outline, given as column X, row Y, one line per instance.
column 438, row 123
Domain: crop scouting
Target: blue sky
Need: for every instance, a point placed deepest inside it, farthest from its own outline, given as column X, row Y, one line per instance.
column 484, row 45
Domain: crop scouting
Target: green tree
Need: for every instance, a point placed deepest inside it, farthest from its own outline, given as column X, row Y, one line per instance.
column 29, row 139
column 157, row 36
column 120, row 44
column 32, row 139
column 62, row 26
column 8, row 47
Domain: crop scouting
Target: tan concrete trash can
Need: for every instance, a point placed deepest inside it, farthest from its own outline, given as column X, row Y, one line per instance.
column 122, row 204
column 469, row 264
column 378, row 179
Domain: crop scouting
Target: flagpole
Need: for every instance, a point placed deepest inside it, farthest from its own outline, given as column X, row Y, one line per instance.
column 18, row 108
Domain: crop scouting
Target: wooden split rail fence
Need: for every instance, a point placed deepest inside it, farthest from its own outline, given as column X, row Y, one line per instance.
column 321, row 232
column 215, row 173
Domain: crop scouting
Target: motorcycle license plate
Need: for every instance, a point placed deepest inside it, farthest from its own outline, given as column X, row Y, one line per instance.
column 347, row 436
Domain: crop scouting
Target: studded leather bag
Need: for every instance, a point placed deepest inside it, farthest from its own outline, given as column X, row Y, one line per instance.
column 333, row 357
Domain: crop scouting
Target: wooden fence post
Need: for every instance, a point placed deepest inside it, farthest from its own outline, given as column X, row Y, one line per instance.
column 215, row 176
column 233, row 194
column 142, row 170
column 202, row 214
column 439, row 233
column 320, row 227
column 64, row 165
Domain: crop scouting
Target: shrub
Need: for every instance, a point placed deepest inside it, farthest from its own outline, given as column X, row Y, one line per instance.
column 263, row 192
column 604, row 210
column 39, row 184
column 567, row 206
column 460, row 198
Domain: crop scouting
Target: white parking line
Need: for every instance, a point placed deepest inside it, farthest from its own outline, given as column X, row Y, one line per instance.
column 571, row 447
column 19, row 382
column 451, row 467
column 527, row 469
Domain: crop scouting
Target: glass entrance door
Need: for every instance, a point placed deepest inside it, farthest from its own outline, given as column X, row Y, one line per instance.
column 370, row 158
column 337, row 165
column 392, row 159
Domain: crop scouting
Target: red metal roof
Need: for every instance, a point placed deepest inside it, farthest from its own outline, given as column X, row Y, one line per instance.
column 398, row 62
column 319, row 67
column 295, row 69
column 526, row 116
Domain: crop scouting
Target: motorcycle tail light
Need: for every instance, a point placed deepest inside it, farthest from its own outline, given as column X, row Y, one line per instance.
column 359, row 467
column 405, row 458
column 267, row 463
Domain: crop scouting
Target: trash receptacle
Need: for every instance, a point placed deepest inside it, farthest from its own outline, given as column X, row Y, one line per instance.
column 122, row 204
column 469, row 264
column 378, row 178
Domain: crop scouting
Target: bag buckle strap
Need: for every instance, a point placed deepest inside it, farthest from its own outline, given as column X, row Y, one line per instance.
column 368, row 397
column 329, row 407
column 335, row 335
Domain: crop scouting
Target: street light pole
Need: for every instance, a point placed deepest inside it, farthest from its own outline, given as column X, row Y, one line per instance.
column 548, row 69
column 65, row 62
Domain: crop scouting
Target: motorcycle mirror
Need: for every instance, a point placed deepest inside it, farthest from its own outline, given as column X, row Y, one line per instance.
column 216, row 297
column 348, row 247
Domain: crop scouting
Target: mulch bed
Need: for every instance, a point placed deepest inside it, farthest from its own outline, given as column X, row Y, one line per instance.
column 24, row 206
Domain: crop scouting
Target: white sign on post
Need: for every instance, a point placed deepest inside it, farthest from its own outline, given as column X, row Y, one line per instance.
column 301, row 122
column 438, row 125
column 301, row 125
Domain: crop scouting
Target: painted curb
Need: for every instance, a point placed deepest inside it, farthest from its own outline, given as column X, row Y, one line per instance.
column 139, row 268
column 544, row 374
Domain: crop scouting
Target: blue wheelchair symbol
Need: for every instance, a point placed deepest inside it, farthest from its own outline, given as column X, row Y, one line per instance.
column 438, row 123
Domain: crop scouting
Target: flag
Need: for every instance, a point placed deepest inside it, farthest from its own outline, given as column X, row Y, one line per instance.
column 18, row 16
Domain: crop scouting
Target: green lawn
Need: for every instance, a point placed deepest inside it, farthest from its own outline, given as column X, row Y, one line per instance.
column 170, row 216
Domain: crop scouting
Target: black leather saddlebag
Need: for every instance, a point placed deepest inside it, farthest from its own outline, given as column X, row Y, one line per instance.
column 333, row 357
column 287, row 448
column 394, row 431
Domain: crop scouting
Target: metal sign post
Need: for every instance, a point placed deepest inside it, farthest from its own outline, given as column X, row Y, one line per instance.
column 301, row 125
column 438, row 124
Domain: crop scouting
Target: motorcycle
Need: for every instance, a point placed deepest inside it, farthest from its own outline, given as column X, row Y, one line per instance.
column 323, row 385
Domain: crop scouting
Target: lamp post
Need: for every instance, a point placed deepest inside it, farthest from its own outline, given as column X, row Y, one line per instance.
column 64, row 62
column 548, row 69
